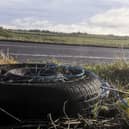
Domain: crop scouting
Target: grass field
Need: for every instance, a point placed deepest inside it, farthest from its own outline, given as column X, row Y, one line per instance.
column 63, row 38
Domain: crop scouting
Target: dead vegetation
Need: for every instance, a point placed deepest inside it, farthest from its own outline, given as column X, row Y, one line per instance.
column 6, row 58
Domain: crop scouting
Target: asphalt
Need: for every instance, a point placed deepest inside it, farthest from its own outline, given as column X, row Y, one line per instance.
column 37, row 52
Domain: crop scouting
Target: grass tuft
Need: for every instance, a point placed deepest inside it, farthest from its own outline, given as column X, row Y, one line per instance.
column 116, row 73
column 6, row 59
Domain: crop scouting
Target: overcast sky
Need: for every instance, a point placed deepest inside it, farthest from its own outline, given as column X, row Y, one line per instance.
column 91, row 16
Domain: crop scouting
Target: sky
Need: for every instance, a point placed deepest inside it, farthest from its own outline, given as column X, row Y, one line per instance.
column 86, row 16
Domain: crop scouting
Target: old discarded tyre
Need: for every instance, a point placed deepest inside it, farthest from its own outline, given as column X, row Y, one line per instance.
column 31, row 96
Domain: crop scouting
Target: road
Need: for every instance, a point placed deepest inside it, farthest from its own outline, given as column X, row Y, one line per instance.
column 32, row 52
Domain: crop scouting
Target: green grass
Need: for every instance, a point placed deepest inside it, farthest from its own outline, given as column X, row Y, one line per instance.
column 116, row 73
column 72, row 38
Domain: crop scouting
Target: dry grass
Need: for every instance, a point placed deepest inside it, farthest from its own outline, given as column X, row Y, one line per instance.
column 6, row 59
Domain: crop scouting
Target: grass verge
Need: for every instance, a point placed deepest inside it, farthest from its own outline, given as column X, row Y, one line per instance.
column 64, row 38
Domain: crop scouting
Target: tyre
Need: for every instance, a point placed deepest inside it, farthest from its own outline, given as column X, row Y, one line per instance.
column 31, row 96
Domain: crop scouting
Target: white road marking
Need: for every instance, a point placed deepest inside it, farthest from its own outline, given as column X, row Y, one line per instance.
column 67, row 56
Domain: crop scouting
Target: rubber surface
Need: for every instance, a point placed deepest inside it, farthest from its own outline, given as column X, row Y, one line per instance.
column 35, row 100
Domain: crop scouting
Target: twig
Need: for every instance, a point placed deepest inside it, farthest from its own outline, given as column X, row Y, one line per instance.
column 52, row 122
column 66, row 115
column 117, row 90
column 10, row 115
